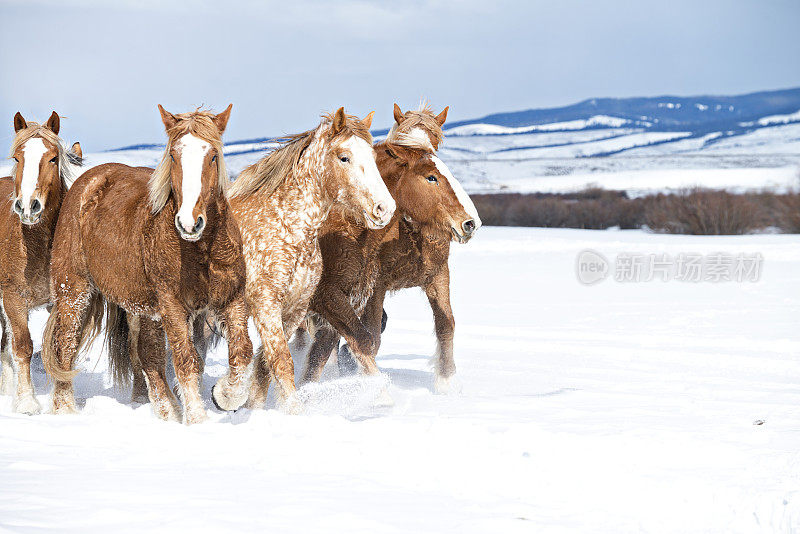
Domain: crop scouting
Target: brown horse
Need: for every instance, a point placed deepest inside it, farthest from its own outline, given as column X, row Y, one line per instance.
column 280, row 204
column 161, row 245
column 360, row 266
column 30, row 201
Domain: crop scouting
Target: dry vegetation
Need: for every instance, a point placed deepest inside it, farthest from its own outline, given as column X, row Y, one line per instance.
column 696, row 211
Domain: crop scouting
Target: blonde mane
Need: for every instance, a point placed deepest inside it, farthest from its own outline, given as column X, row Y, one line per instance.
column 200, row 124
column 422, row 118
column 66, row 159
column 271, row 171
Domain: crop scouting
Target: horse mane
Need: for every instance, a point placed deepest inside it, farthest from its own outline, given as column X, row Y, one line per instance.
column 421, row 118
column 66, row 159
column 271, row 171
column 199, row 123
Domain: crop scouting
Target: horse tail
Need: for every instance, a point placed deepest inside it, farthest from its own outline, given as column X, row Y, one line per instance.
column 119, row 346
column 91, row 328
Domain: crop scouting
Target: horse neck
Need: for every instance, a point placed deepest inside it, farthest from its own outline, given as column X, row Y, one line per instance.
column 304, row 193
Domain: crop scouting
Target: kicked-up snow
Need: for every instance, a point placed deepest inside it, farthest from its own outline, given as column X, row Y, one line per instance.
column 656, row 407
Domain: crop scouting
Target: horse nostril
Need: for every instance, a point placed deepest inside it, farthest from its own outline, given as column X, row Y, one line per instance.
column 468, row 226
column 199, row 225
column 36, row 207
column 18, row 207
column 380, row 210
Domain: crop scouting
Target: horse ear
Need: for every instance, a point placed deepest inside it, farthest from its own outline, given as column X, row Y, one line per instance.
column 441, row 117
column 221, row 120
column 19, row 122
column 53, row 123
column 367, row 122
column 76, row 149
column 398, row 114
column 167, row 118
column 339, row 120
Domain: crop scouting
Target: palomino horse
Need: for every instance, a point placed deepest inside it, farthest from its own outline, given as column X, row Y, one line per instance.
column 280, row 204
column 161, row 245
column 30, row 201
column 360, row 266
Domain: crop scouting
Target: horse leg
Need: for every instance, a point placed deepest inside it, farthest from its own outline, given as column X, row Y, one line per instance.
column 72, row 304
column 438, row 292
column 325, row 340
column 153, row 358
column 371, row 319
column 139, row 390
column 184, row 358
column 6, row 358
column 259, row 381
column 16, row 311
column 334, row 305
column 276, row 359
column 230, row 391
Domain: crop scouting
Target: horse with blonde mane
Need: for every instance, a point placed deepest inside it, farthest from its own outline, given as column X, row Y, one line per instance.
column 361, row 265
column 280, row 204
column 158, row 245
column 30, row 202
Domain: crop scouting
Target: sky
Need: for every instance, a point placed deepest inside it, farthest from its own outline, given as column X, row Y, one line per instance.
column 104, row 66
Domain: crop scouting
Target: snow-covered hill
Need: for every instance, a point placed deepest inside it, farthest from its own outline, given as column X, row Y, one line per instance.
column 651, row 144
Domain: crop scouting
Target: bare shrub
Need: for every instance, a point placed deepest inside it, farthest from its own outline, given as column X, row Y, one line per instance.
column 705, row 212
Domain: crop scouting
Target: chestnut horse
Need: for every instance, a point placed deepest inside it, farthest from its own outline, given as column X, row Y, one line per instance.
column 280, row 204
column 30, row 201
column 161, row 245
column 360, row 266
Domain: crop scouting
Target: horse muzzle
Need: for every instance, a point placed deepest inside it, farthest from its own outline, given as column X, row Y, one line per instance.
column 465, row 232
column 381, row 215
column 195, row 233
column 30, row 216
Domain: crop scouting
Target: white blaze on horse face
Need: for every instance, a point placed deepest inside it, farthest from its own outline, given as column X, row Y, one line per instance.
column 32, row 151
column 365, row 173
column 461, row 195
column 193, row 152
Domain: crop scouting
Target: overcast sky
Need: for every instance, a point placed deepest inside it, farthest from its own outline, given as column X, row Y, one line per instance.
column 105, row 65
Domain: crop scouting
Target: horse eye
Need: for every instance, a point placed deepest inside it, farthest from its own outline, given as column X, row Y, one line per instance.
column 15, row 159
column 344, row 159
column 213, row 159
column 432, row 179
column 172, row 158
column 55, row 159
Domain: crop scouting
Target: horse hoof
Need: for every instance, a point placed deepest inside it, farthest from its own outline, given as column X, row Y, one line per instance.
column 225, row 399
column 196, row 417
column 346, row 361
column 446, row 385
column 27, row 405
column 65, row 409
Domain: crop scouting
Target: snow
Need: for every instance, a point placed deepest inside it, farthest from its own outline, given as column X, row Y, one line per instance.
column 607, row 409
column 643, row 182
column 579, row 124
column 779, row 119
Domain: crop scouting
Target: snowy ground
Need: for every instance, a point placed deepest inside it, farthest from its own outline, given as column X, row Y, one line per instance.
column 607, row 409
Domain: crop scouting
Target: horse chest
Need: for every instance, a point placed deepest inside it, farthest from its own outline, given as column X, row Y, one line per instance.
column 414, row 261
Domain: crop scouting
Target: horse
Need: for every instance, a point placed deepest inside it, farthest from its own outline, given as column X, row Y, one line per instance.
column 280, row 203
column 159, row 245
column 30, row 201
column 361, row 265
